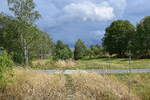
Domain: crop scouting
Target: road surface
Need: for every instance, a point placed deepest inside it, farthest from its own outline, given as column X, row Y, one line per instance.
column 99, row 71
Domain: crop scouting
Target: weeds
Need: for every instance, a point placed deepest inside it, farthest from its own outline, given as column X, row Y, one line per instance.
column 102, row 63
column 97, row 87
column 29, row 85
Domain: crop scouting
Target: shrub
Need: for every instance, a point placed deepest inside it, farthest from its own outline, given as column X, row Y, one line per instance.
column 62, row 51
column 5, row 61
column 5, row 64
column 5, row 70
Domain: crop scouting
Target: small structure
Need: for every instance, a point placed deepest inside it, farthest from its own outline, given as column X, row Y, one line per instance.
column 1, row 51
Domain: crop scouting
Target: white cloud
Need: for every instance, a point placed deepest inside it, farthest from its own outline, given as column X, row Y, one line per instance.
column 90, row 11
column 119, row 6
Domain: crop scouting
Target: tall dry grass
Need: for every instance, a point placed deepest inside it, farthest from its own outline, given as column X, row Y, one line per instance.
column 49, row 64
column 67, row 63
column 29, row 85
column 97, row 87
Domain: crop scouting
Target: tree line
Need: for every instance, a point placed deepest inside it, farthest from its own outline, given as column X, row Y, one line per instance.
column 121, row 37
column 80, row 51
column 24, row 41
column 19, row 36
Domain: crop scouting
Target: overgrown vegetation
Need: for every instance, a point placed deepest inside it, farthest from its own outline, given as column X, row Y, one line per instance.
column 28, row 85
column 19, row 36
column 61, row 51
column 6, row 65
column 102, row 63
column 139, row 83
column 5, row 61
column 97, row 87
column 23, row 43
column 31, row 85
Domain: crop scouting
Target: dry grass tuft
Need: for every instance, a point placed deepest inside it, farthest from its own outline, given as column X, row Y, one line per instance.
column 67, row 63
column 49, row 64
column 41, row 62
column 97, row 87
column 35, row 86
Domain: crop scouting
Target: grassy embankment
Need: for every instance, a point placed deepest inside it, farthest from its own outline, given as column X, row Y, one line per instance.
column 139, row 83
column 23, row 84
column 103, row 63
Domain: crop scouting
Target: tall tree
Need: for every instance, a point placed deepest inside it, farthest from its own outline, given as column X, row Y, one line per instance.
column 9, row 38
column 24, row 10
column 80, row 50
column 118, row 36
column 25, row 13
column 42, row 46
column 143, row 37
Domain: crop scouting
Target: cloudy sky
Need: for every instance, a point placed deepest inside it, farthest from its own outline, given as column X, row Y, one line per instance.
column 69, row 20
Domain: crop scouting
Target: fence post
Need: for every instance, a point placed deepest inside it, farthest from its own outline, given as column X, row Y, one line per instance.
column 129, row 48
column 129, row 74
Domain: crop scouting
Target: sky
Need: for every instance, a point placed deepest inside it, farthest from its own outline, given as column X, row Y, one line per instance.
column 70, row 20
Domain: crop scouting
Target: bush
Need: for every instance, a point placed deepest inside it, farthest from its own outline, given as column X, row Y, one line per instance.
column 5, row 61
column 5, row 64
column 5, row 69
column 62, row 51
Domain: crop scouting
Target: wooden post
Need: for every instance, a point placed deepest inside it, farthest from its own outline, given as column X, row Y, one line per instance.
column 129, row 74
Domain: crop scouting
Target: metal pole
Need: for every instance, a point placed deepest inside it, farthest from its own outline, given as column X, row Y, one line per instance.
column 129, row 74
column 109, row 63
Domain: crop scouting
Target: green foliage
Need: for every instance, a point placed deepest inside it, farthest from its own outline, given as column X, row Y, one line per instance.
column 41, row 47
column 5, row 61
column 10, row 37
column 24, row 10
column 62, row 51
column 96, row 51
column 80, row 50
column 142, row 39
column 5, row 64
column 118, row 36
column 11, row 32
column 140, row 83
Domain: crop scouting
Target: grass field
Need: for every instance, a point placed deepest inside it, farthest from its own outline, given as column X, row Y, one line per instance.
column 102, row 63
column 139, row 83
column 23, row 84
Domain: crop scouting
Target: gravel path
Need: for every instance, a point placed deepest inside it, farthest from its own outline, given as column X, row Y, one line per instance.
column 100, row 71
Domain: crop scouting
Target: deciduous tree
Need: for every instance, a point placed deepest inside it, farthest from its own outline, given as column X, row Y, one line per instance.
column 80, row 50
column 25, row 13
column 118, row 36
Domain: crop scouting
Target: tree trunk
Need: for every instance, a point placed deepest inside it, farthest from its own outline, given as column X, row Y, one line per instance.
column 26, row 53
